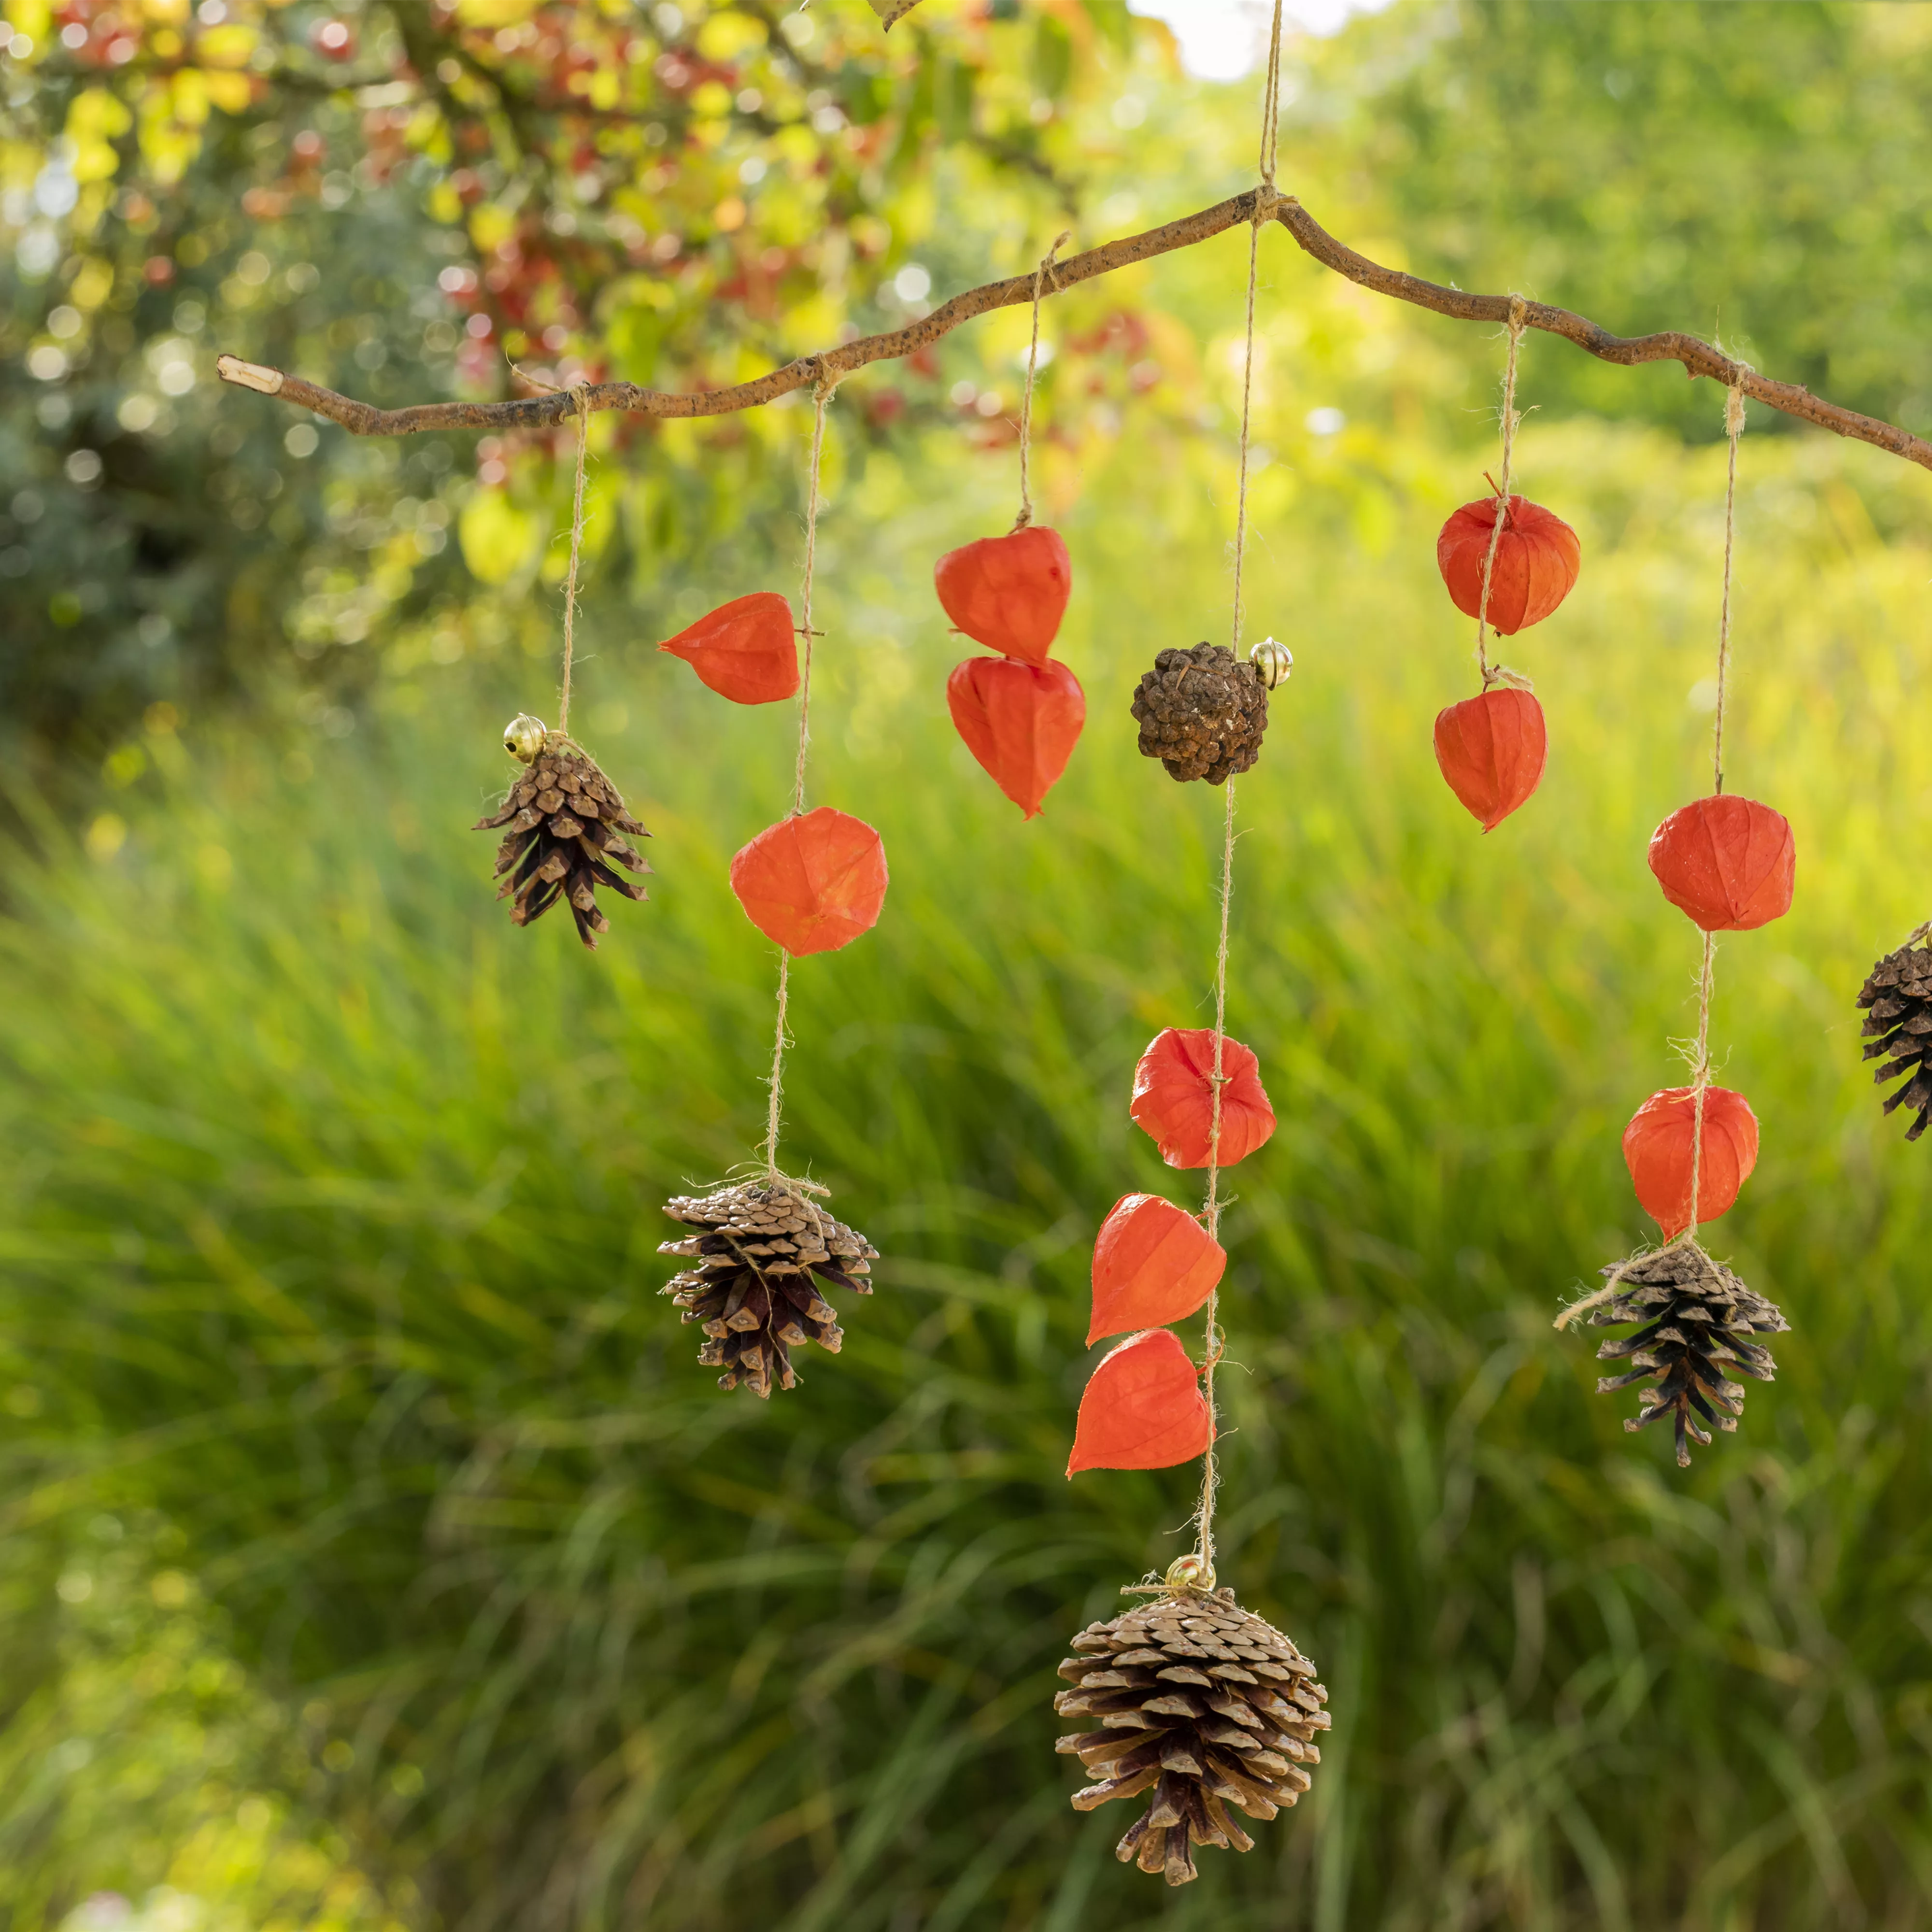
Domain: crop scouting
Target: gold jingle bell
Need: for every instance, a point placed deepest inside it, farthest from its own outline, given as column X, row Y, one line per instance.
column 1273, row 661
column 1191, row 1572
column 524, row 737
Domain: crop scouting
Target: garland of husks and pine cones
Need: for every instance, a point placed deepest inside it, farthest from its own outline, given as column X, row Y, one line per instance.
column 1195, row 1703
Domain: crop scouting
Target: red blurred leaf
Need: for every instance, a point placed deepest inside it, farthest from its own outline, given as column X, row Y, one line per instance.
column 1727, row 862
column 1021, row 721
column 746, row 650
column 1657, row 1150
column 1143, row 1408
column 1491, row 749
column 814, row 884
column 1009, row 592
column 1173, row 1098
column 1536, row 562
column 1153, row 1264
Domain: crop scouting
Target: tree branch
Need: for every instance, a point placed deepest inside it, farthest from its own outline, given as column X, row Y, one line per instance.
column 1698, row 358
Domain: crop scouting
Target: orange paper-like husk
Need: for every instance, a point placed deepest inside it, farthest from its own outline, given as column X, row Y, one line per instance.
column 1009, row 592
column 813, row 883
column 1727, row 863
column 1142, row 1409
column 1174, row 1097
column 746, row 650
column 1021, row 721
column 1658, row 1149
column 1153, row 1264
column 1536, row 566
column 1491, row 749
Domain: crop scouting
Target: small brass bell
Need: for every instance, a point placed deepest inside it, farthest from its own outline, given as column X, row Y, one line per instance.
column 524, row 737
column 1273, row 661
column 1191, row 1572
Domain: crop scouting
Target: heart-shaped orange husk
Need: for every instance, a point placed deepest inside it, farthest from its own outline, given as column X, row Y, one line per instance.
column 1021, row 721
column 746, row 650
column 1153, row 1264
column 1143, row 1408
column 1008, row 593
column 1491, row 749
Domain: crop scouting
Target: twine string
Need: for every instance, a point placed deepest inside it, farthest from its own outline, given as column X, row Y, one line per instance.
column 1041, row 276
column 1519, row 309
column 781, row 1040
column 1214, row 1341
column 582, row 393
column 1700, row 1053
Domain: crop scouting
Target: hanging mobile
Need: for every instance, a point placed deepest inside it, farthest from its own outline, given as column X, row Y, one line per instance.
column 764, row 1250
column 1506, row 562
column 1194, row 1703
column 566, row 823
column 1727, row 863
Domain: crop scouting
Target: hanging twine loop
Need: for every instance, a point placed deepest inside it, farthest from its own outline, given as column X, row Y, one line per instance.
column 1697, row 1052
column 1493, row 673
column 582, row 395
column 1042, row 277
column 775, row 1109
column 1213, row 1340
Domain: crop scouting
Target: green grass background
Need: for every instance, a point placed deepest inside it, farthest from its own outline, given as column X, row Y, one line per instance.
column 331, row 1215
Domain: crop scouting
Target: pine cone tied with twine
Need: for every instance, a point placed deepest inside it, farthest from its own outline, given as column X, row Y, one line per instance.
column 1202, row 1703
column 1202, row 712
column 1695, row 1314
column 565, row 819
column 1898, row 996
column 760, row 1245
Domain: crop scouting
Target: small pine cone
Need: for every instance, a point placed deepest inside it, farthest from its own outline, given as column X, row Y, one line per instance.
column 565, row 821
column 1898, row 998
column 1202, row 712
column 1203, row 1705
column 1696, row 1315
column 759, row 1246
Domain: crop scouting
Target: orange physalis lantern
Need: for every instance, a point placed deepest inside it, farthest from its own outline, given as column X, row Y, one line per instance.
column 746, row 650
column 1727, row 862
column 1143, row 1408
column 1021, row 721
column 1658, row 1151
column 1491, row 749
column 1009, row 592
column 1153, row 1264
column 1173, row 1098
column 813, row 883
column 1536, row 562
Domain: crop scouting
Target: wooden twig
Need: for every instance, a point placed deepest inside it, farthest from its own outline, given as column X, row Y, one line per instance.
column 1698, row 357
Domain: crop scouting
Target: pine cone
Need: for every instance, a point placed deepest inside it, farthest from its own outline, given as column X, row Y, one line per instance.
column 564, row 819
column 762, row 1242
column 1202, row 1703
column 1898, row 994
column 1202, row 712
column 1695, row 1314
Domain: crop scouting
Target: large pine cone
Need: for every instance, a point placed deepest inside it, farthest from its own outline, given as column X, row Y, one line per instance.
column 1898, row 995
column 1202, row 712
column 565, row 819
column 1202, row 1703
column 761, row 1244
column 1696, row 1314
